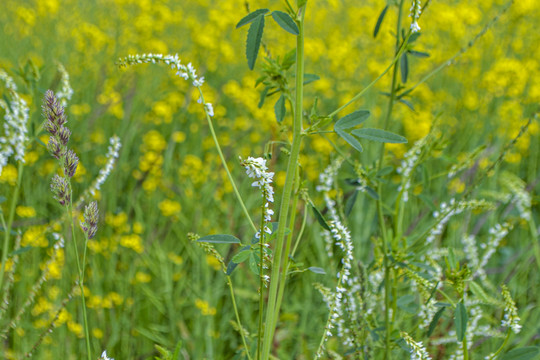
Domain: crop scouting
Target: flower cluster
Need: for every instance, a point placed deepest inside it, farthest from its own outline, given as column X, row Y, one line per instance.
column 447, row 211
column 511, row 318
column 415, row 11
column 16, row 117
column 407, row 166
column 256, row 169
column 91, row 215
column 496, row 234
column 56, row 118
column 186, row 72
column 521, row 197
column 112, row 155
column 66, row 92
column 418, row 351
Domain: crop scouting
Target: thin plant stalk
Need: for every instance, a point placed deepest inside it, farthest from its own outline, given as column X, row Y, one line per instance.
column 81, row 278
column 224, row 162
column 272, row 311
column 385, row 239
column 229, row 282
column 11, row 216
column 261, row 281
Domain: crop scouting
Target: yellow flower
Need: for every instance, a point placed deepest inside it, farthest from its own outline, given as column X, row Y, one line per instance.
column 170, row 207
column 142, row 277
column 25, row 211
column 9, row 175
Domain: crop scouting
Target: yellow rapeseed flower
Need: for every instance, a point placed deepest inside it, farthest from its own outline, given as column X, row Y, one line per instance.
column 25, row 211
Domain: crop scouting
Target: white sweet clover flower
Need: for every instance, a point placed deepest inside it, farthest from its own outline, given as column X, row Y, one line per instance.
column 408, row 164
column 104, row 356
column 418, row 351
column 416, row 10
column 66, row 92
column 15, row 137
column 188, row 72
column 496, row 234
column 521, row 197
column 256, row 169
column 511, row 318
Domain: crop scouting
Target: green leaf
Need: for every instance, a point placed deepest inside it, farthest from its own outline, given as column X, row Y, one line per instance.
column 300, row 3
column 479, row 292
column 372, row 193
column 407, row 103
column 286, row 22
column 230, row 267
column 379, row 21
column 20, row 251
column 220, row 239
column 461, row 318
column 414, row 37
column 317, row 270
column 419, row 54
column 254, row 40
column 251, row 17
column 309, row 78
column 319, row 217
column 279, row 109
column 408, row 304
column 524, row 353
column 435, row 320
column 404, row 67
column 254, row 263
column 379, row 136
column 241, row 256
column 350, row 203
column 351, row 120
column 263, row 96
column 289, row 59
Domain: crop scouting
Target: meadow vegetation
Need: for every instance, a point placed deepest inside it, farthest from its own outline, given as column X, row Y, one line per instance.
column 256, row 180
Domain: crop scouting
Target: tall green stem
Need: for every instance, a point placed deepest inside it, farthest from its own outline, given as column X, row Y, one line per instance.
column 385, row 240
column 81, row 278
column 224, row 162
column 261, row 280
column 272, row 311
column 241, row 330
column 7, row 229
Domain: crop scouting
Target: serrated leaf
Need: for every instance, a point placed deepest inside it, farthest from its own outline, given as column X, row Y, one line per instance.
column 309, row 78
column 404, row 67
column 279, row 109
column 524, row 353
column 230, row 267
column 20, row 251
column 461, row 317
column 351, row 120
column 251, row 17
column 350, row 139
column 263, row 96
column 419, row 54
column 286, row 22
column 320, row 218
column 379, row 21
column 414, row 37
column 317, row 270
column 379, row 135
column 254, row 263
column 407, row 103
column 350, row 203
column 408, row 304
column 289, row 59
column 435, row 320
column 254, row 40
column 241, row 256
column 479, row 292
column 220, row 239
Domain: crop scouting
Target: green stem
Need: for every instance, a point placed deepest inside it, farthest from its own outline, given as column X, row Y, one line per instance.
column 224, row 162
column 359, row 95
column 229, row 282
column 69, row 209
column 465, row 349
column 387, row 268
column 7, row 229
column 494, row 355
column 272, row 311
column 261, row 281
